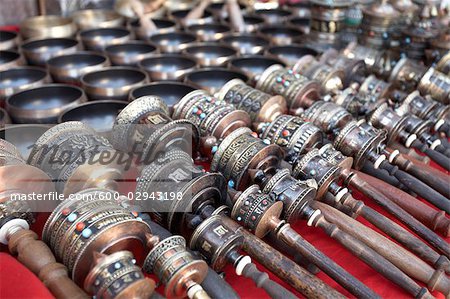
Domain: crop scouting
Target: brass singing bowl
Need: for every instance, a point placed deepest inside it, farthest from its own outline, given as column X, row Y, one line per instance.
column 210, row 54
column 38, row 52
column 209, row 32
column 167, row 66
column 10, row 59
column 179, row 15
column 71, row 67
column 281, row 34
column 9, row 40
column 50, row 26
column 289, row 54
column 212, row 79
column 98, row 39
column 274, row 16
column 113, row 83
column 253, row 65
column 24, row 137
column 172, row 42
column 162, row 26
column 97, row 18
column 252, row 22
column 99, row 115
column 130, row 53
column 4, row 118
column 43, row 104
column 21, row 78
column 246, row 44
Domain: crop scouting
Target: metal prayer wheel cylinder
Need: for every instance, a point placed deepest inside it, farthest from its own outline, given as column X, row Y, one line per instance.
column 260, row 106
column 215, row 238
column 174, row 266
column 298, row 90
column 254, row 210
column 417, row 38
column 335, row 157
column 436, row 84
column 443, row 64
column 117, row 276
column 385, row 118
column 418, row 126
column 241, row 151
column 98, row 220
column 328, row 116
column 424, row 108
column 214, row 117
column 370, row 56
column 359, row 140
column 330, row 79
column 294, row 194
column 354, row 69
column 328, row 16
column 406, row 74
column 292, row 133
column 355, row 103
column 376, row 88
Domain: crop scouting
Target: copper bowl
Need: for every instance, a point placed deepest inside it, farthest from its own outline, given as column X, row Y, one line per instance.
column 97, row 18
column 209, row 32
column 281, row 35
column 99, row 39
column 252, row 22
column 38, row 52
column 253, row 66
column 8, row 40
column 172, row 42
column 49, row 26
column 170, row 92
column 162, row 25
column 274, row 16
column 246, row 44
column 167, row 66
column 179, row 15
column 99, row 115
column 212, row 79
column 113, row 83
column 130, row 53
column 69, row 68
column 24, row 137
column 210, row 54
column 4, row 118
column 21, row 78
column 43, row 104
column 9, row 59
column 290, row 54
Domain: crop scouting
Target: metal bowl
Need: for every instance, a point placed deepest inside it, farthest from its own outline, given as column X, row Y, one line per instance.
column 303, row 23
column 24, row 137
column 253, row 66
column 180, row 14
column 170, row 92
column 43, row 104
column 172, row 42
column 113, row 83
column 209, row 32
column 99, row 39
column 4, row 118
column 69, row 68
column 246, row 44
column 210, row 54
column 162, row 25
column 130, row 53
column 216, row 8
column 49, row 26
column 281, row 35
column 290, row 54
column 8, row 40
column 97, row 18
column 252, row 22
column 212, row 79
column 10, row 59
column 99, row 115
column 167, row 66
column 21, row 78
column 274, row 16
column 38, row 52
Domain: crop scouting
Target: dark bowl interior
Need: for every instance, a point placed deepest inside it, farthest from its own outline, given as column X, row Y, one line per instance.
column 113, row 78
column 130, row 49
column 49, row 45
column 254, row 64
column 217, row 6
column 8, row 56
column 170, row 92
column 279, row 31
column 173, row 38
column 272, row 13
column 301, row 22
column 246, row 41
column 100, row 115
column 209, row 28
column 213, row 78
column 45, row 97
column 7, row 35
column 210, row 51
column 159, row 23
column 77, row 60
column 250, row 19
column 23, row 136
column 104, row 33
column 167, row 63
column 291, row 53
column 20, row 76
column 180, row 14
